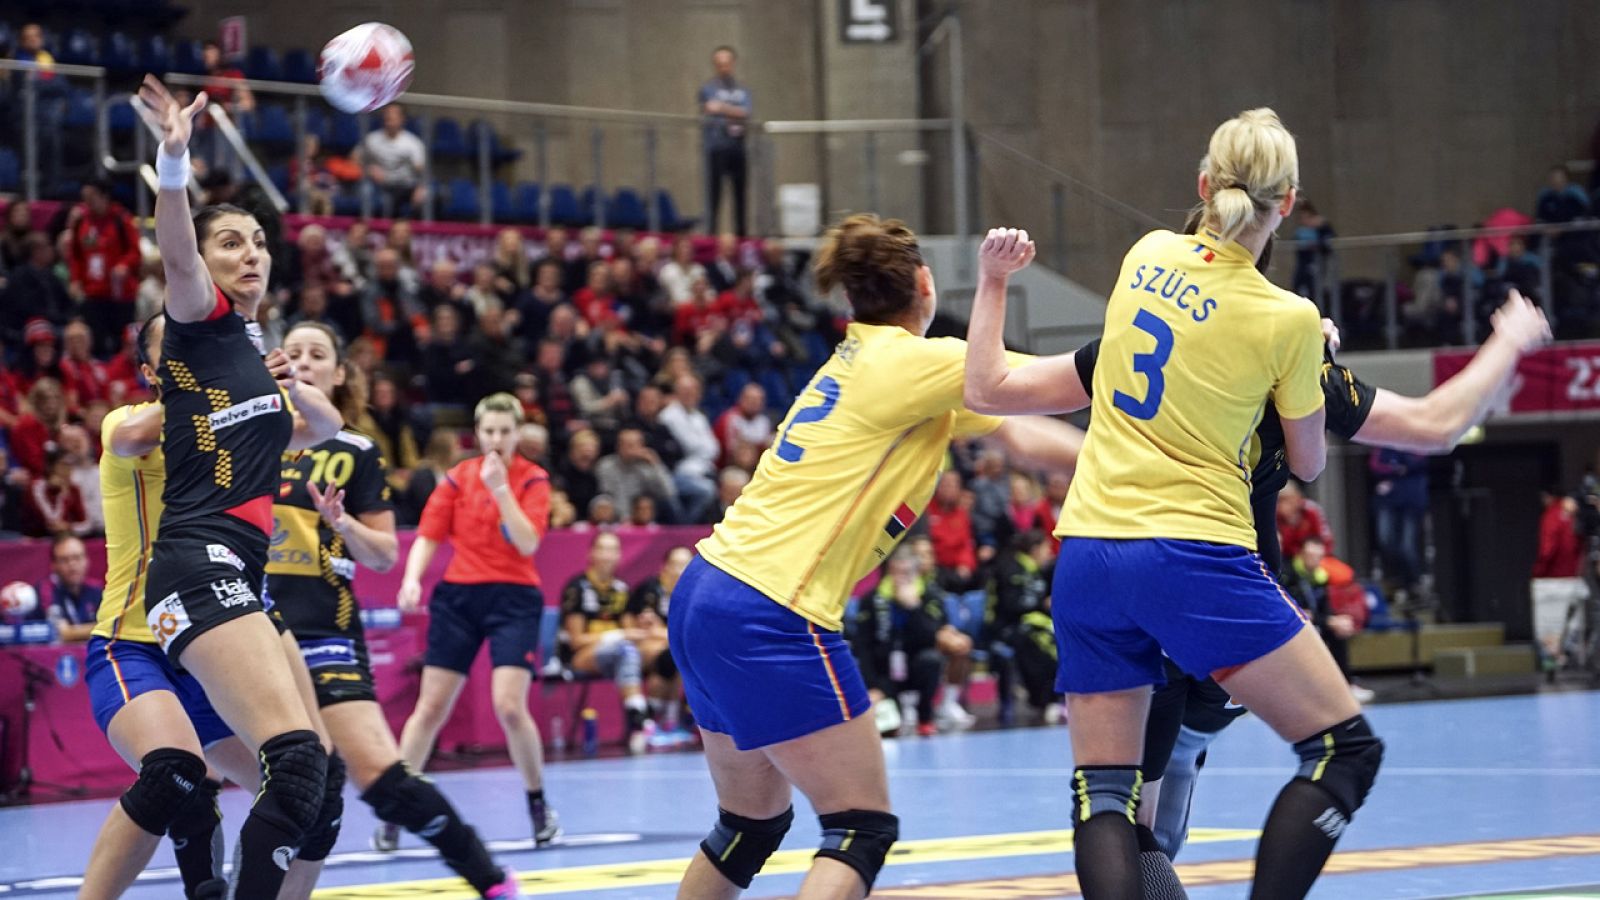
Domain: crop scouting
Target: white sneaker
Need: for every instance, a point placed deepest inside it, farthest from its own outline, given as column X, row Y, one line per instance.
column 886, row 715
column 1363, row 695
column 952, row 717
column 1055, row 714
column 386, row 838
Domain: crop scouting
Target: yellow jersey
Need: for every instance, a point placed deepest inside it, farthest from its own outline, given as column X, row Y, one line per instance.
column 1196, row 342
column 854, row 464
column 130, row 491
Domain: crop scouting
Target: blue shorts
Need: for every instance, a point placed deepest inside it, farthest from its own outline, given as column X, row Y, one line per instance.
column 462, row 616
column 118, row 671
column 754, row 670
column 1119, row 604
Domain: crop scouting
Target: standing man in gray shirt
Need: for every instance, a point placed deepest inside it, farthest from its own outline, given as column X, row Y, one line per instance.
column 725, row 108
column 394, row 160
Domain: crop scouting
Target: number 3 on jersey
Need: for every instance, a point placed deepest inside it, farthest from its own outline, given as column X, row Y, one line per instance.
column 829, row 388
column 1149, row 365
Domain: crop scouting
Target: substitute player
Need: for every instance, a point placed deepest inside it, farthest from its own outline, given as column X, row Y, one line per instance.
column 755, row 618
column 1158, row 550
column 494, row 510
column 331, row 513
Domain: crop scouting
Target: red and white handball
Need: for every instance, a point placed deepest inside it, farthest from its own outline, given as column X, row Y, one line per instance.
column 365, row 68
column 18, row 599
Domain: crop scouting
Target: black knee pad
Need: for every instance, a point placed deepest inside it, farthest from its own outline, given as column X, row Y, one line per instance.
column 322, row 836
column 168, row 777
column 200, row 816
column 739, row 847
column 294, row 768
column 1343, row 760
column 859, row 838
column 1105, row 789
column 405, row 799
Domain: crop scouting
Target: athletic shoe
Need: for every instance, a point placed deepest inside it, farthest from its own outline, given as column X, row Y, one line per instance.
column 886, row 714
column 546, row 824
column 926, row 729
column 386, row 838
column 1055, row 714
column 211, row 889
column 952, row 717
column 1363, row 695
column 505, row 890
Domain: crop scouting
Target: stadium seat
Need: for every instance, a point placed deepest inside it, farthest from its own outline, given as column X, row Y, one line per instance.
column 626, row 210
column 262, row 64
column 78, row 48
column 667, row 211
column 344, row 132
column 346, row 203
column 80, row 110
column 501, row 209
column 187, row 58
column 279, row 174
column 122, row 118
column 273, row 127
column 317, row 121
column 527, row 202
column 117, row 53
column 8, row 39
column 461, row 200
column 564, row 208
column 155, row 54
column 448, row 140
column 10, row 170
column 299, row 66
column 593, row 204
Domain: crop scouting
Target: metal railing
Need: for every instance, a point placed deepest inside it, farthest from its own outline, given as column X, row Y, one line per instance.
column 37, row 97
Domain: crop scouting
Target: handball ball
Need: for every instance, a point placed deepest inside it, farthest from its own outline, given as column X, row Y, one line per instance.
column 365, row 68
column 18, row 599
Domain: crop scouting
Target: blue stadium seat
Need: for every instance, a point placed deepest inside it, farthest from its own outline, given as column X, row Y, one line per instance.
column 261, row 63
column 667, row 210
column 564, row 208
column 461, row 200
column 122, row 118
column 343, row 133
column 626, row 210
column 498, row 152
column 273, row 127
column 80, row 110
column 155, row 54
column 527, row 202
column 8, row 39
column 279, row 174
column 501, row 209
column 299, row 66
column 448, row 141
column 187, row 58
column 593, row 204
column 117, row 53
column 346, row 203
column 78, row 48
column 779, row 394
column 10, row 170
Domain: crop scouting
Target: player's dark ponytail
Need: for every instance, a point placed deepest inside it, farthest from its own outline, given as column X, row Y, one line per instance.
column 875, row 261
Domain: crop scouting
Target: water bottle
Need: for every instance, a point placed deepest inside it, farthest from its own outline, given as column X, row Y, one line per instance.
column 591, row 731
column 558, row 734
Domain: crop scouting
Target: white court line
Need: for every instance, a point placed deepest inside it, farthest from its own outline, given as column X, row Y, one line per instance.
column 1234, row 771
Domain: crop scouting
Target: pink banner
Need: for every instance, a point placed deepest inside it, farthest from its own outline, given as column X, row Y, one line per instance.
column 64, row 745
column 1561, row 378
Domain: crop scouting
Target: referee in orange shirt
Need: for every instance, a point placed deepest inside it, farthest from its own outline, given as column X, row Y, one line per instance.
column 494, row 509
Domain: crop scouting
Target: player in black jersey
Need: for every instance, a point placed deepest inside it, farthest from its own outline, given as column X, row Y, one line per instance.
column 332, row 512
column 1188, row 712
column 226, row 421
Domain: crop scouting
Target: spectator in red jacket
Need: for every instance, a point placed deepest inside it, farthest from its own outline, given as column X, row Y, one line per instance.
column 125, row 383
column 738, row 303
column 38, row 431
column 699, row 316
column 54, row 505
column 597, row 300
column 955, row 550
column 1299, row 518
column 745, row 424
column 11, row 393
column 104, row 263
column 43, row 359
column 85, row 378
column 1560, row 550
column 1029, row 511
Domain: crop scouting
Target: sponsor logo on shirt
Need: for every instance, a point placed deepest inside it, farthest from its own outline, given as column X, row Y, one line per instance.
column 266, row 404
column 168, row 619
column 217, row 553
column 344, row 568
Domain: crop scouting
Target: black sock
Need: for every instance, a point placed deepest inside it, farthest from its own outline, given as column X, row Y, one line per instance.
column 262, row 858
column 1106, row 853
column 416, row 805
column 1301, row 830
column 197, row 838
column 535, row 797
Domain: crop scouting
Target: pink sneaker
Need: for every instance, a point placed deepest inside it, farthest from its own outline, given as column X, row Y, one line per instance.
column 505, row 890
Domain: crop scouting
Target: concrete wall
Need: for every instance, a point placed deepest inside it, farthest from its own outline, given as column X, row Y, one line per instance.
column 1409, row 112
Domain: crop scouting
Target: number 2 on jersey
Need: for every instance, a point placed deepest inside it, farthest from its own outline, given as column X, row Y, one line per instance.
column 829, row 388
column 1149, row 365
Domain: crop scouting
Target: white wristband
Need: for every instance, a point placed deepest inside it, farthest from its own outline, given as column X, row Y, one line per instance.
column 172, row 172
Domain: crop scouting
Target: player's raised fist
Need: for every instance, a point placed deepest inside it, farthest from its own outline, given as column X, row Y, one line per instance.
column 1004, row 251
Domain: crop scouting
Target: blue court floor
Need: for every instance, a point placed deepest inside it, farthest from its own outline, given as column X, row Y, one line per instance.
column 1493, row 797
